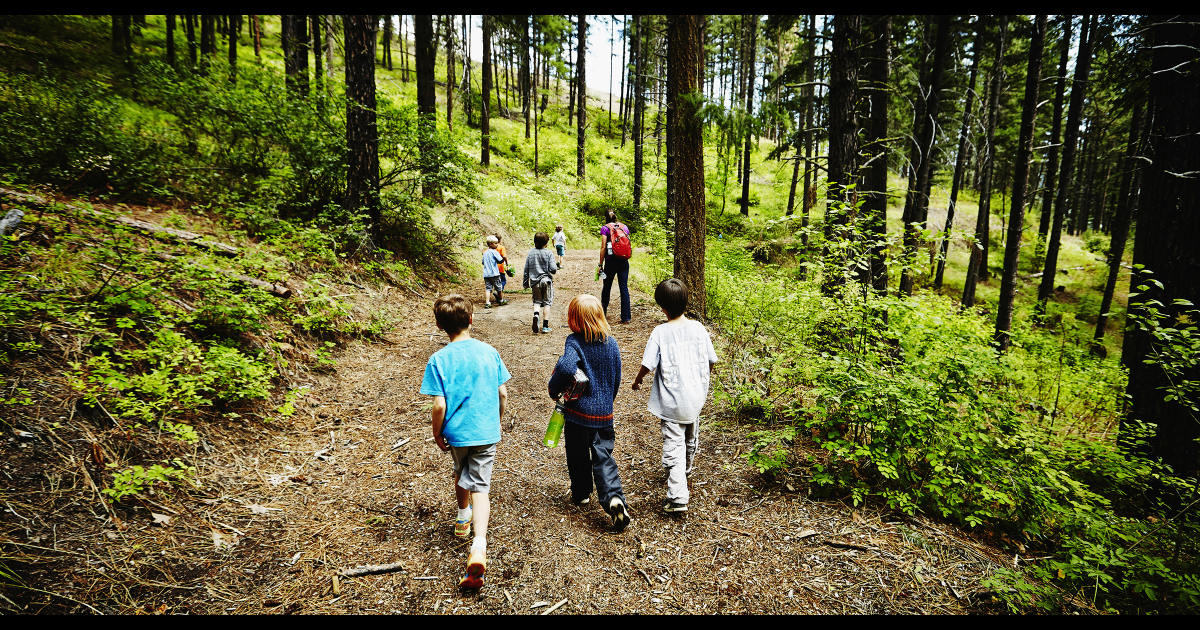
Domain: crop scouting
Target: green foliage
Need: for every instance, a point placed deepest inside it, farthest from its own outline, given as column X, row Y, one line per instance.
column 918, row 412
column 137, row 478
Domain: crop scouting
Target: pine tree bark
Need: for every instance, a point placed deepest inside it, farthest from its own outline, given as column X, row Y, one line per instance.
column 1078, row 91
column 683, row 97
column 256, row 35
column 1016, row 216
column 426, row 57
column 1120, row 224
column 809, row 137
column 118, row 36
column 526, row 78
column 639, row 108
column 486, row 87
column 876, row 184
column 233, row 42
column 449, row 72
column 581, row 78
column 749, row 63
column 362, row 135
column 977, row 268
column 318, row 70
column 960, row 157
column 190, row 23
column 171, row 40
column 1055, row 136
column 920, row 204
column 1168, row 229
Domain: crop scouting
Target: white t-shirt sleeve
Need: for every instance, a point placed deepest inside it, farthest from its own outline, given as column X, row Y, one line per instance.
column 650, row 358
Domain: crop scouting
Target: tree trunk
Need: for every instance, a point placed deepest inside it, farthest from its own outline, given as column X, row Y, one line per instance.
column 960, row 156
column 581, row 77
column 118, row 36
column 876, row 184
column 916, row 155
column 1055, row 136
column 426, row 57
column 449, row 72
column 920, row 204
column 1016, row 217
column 486, row 87
column 1168, row 229
column 977, row 268
column 233, row 41
column 749, row 63
column 687, row 168
column 256, row 36
column 362, row 135
column 526, row 78
column 1120, row 224
column 318, row 70
column 624, row 73
column 639, row 39
column 1078, row 90
column 171, row 40
column 843, row 137
column 809, row 136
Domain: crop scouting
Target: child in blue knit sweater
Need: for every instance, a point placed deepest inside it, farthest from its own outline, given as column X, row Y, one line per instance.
column 588, row 432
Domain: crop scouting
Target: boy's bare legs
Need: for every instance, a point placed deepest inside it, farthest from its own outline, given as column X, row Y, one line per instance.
column 481, row 510
column 462, row 496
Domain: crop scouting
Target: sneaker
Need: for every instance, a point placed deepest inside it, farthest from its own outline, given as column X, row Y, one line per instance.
column 620, row 517
column 669, row 506
column 462, row 529
column 546, row 329
column 476, row 567
column 503, row 302
column 487, row 305
column 535, row 324
column 584, row 501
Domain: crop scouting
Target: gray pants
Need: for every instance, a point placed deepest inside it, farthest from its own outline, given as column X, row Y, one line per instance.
column 680, row 442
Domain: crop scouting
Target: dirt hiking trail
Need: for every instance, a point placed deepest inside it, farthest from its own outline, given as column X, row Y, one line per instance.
column 352, row 477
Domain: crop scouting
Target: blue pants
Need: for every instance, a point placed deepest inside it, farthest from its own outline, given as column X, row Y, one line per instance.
column 616, row 268
column 589, row 458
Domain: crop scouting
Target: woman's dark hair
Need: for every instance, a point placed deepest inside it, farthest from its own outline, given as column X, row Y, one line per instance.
column 672, row 295
column 610, row 216
column 540, row 239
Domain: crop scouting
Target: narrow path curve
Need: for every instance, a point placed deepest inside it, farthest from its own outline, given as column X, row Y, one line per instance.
column 381, row 492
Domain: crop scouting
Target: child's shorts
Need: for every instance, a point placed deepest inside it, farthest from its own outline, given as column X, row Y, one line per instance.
column 473, row 466
column 543, row 292
column 560, row 249
column 492, row 283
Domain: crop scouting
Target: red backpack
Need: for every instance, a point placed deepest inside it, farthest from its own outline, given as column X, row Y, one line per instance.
column 619, row 239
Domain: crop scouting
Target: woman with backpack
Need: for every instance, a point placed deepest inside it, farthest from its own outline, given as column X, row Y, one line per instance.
column 615, row 252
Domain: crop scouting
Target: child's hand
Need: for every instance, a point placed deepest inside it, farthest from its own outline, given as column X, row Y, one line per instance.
column 637, row 384
column 441, row 442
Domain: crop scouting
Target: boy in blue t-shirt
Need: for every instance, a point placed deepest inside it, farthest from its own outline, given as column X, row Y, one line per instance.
column 466, row 379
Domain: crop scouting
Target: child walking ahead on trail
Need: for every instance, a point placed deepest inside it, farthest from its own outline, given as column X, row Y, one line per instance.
column 681, row 355
column 560, row 244
column 539, row 277
column 588, row 431
column 491, row 273
column 466, row 379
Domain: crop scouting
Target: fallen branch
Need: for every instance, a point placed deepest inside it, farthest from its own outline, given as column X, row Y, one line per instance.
column 744, row 533
column 374, row 569
column 554, row 607
column 141, row 226
column 280, row 290
column 845, row 545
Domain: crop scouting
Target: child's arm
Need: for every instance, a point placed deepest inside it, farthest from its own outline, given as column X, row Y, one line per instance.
column 503, row 399
column 439, row 418
column 637, row 380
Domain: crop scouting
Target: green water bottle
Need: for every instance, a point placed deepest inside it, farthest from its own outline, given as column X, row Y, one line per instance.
column 597, row 274
column 555, row 428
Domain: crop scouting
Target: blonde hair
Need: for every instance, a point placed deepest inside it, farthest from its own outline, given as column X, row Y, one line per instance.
column 585, row 315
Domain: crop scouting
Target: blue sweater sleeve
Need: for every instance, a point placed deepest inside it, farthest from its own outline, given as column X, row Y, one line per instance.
column 564, row 370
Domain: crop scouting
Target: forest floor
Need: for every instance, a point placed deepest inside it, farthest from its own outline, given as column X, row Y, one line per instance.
column 353, row 478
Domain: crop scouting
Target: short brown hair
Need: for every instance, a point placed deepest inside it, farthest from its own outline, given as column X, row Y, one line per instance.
column 585, row 315
column 672, row 295
column 453, row 313
column 540, row 239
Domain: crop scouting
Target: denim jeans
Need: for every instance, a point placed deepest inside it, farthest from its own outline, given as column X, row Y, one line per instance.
column 616, row 268
column 589, row 458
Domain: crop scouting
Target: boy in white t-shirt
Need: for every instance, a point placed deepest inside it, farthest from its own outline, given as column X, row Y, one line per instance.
column 681, row 355
column 560, row 244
